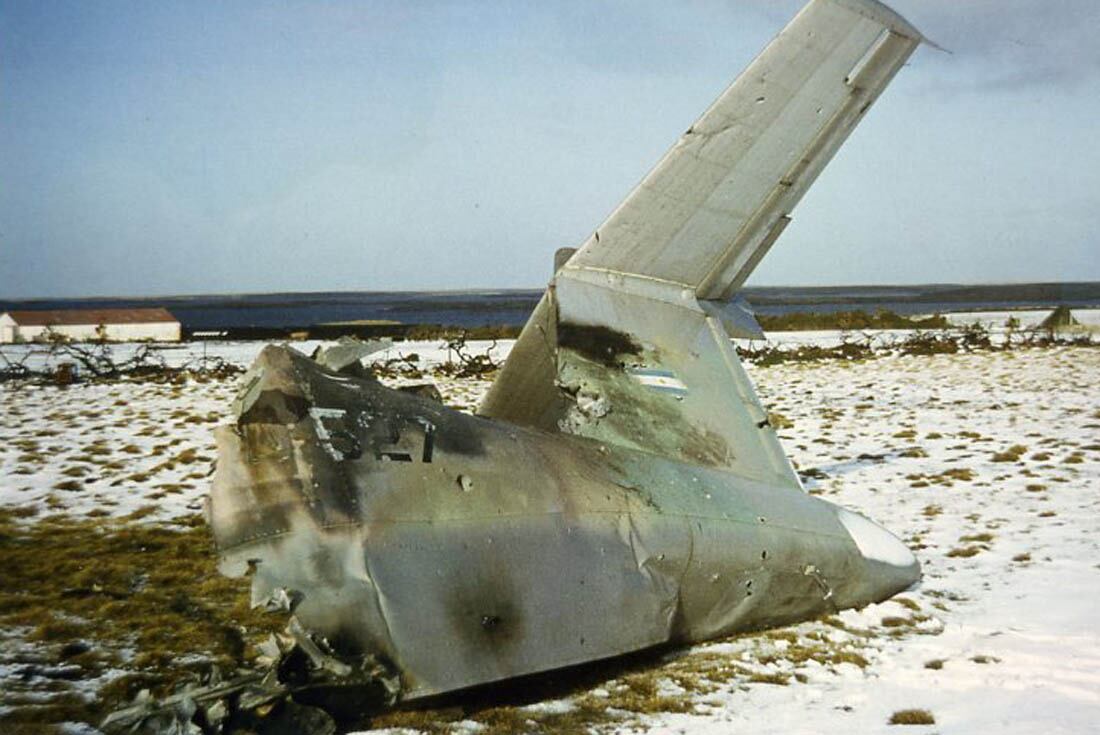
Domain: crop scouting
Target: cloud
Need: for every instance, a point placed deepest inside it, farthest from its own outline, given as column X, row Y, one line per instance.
column 1000, row 45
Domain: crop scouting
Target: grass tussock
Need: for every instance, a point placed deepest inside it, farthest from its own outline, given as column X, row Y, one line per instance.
column 932, row 510
column 1012, row 454
column 907, row 603
column 912, row 717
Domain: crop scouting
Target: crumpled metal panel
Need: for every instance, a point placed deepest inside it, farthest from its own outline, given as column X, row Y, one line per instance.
column 348, row 352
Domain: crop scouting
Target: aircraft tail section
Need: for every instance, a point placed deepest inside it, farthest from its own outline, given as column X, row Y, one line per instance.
column 630, row 345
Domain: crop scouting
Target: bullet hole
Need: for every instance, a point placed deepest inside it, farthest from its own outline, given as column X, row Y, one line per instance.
column 488, row 622
column 764, row 555
column 465, row 483
column 759, row 100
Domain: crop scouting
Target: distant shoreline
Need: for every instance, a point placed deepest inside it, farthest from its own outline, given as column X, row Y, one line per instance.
column 503, row 311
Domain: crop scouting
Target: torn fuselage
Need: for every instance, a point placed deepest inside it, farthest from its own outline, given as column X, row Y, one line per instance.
column 463, row 550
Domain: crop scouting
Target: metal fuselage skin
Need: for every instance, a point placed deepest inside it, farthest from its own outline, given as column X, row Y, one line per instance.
column 464, row 550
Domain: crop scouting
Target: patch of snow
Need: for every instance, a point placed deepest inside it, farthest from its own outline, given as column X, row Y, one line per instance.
column 551, row 706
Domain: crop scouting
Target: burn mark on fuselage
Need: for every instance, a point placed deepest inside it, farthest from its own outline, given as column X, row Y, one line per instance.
column 597, row 343
column 483, row 611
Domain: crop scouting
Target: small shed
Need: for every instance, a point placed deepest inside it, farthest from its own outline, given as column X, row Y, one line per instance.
column 86, row 325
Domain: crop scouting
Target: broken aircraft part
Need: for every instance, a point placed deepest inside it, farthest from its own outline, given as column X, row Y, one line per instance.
column 298, row 682
column 622, row 487
column 347, row 354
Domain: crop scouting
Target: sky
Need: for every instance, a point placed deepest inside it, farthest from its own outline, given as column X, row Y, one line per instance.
column 155, row 148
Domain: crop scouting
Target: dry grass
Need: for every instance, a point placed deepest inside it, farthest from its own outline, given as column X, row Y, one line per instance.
column 912, row 717
column 1012, row 454
column 907, row 603
column 963, row 474
column 980, row 538
column 142, row 600
column 642, row 684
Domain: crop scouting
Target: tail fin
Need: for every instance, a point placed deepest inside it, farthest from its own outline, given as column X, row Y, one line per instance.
column 709, row 210
column 629, row 344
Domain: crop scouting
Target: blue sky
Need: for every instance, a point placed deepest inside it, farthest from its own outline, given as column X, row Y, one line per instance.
column 166, row 148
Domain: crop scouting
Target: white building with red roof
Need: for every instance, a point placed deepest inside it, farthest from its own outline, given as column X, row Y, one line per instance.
column 86, row 325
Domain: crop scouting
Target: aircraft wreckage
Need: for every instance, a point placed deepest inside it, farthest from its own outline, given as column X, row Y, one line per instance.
column 620, row 487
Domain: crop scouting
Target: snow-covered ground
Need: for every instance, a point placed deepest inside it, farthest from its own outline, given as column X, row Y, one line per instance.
column 988, row 464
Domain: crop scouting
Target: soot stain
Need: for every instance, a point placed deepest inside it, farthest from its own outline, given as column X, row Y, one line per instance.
column 598, row 343
column 485, row 614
